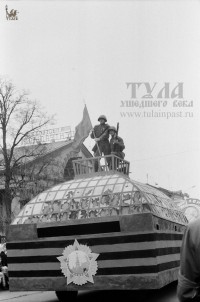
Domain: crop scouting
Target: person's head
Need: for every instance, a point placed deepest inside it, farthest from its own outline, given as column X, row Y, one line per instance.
column 102, row 119
column 112, row 131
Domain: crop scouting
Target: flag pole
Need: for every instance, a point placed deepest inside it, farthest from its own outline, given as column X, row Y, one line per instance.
column 82, row 130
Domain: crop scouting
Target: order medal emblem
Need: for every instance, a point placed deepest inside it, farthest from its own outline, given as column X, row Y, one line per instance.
column 78, row 263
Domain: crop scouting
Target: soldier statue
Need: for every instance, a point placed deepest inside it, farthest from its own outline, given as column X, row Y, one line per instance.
column 116, row 143
column 100, row 134
column 116, row 146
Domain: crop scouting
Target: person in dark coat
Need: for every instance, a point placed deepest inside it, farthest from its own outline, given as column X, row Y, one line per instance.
column 117, row 146
column 116, row 143
column 100, row 134
column 188, row 289
column 3, row 258
column 4, row 268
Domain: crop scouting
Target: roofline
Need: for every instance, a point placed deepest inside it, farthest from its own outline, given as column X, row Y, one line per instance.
column 68, row 144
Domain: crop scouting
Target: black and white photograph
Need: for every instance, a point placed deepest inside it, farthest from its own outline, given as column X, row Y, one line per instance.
column 99, row 150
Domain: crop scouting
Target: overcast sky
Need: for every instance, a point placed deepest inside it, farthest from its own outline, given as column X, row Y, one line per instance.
column 65, row 52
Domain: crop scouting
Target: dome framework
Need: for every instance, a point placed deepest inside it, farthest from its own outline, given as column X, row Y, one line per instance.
column 98, row 195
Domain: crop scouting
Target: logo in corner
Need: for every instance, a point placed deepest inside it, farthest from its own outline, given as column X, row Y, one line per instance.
column 12, row 15
column 78, row 263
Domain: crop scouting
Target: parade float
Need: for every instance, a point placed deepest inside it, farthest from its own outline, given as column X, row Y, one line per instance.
column 99, row 231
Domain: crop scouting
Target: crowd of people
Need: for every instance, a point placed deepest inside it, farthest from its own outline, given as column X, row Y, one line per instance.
column 107, row 141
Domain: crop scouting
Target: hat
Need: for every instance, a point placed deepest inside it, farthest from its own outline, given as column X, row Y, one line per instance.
column 103, row 117
column 112, row 128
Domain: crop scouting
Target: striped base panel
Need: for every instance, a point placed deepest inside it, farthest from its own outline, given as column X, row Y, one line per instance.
column 127, row 259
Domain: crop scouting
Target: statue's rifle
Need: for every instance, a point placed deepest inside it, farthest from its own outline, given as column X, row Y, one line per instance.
column 117, row 130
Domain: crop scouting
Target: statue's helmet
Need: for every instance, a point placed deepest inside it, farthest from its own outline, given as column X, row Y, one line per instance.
column 112, row 128
column 103, row 117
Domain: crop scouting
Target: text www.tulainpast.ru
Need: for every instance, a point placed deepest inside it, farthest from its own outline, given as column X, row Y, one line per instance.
column 157, row 114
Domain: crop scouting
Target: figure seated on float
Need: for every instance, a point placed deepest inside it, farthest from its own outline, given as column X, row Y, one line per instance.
column 116, row 146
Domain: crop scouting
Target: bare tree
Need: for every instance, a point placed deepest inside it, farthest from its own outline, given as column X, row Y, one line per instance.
column 19, row 118
column 37, row 173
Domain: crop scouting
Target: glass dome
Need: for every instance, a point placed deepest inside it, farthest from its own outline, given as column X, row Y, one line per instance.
column 98, row 196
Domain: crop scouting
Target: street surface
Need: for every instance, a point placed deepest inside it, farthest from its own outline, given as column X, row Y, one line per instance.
column 167, row 294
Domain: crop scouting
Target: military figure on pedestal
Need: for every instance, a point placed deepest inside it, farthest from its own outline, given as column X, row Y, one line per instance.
column 100, row 134
column 116, row 143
